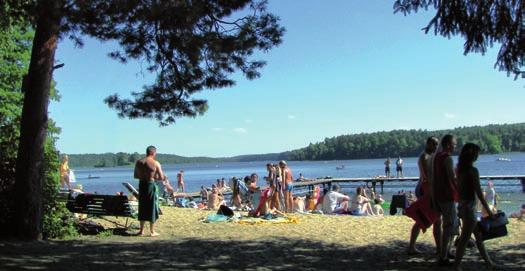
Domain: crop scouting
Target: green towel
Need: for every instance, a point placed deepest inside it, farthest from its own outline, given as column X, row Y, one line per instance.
column 148, row 201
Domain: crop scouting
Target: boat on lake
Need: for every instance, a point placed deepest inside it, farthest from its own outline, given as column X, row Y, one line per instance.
column 340, row 167
column 503, row 159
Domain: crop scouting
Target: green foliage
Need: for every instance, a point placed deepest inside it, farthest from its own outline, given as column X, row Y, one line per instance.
column 15, row 48
column 112, row 159
column 14, row 61
column 491, row 138
column 57, row 221
column 189, row 45
column 481, row 23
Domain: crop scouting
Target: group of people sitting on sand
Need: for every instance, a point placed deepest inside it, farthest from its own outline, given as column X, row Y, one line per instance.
column 276, row 196
column 335, row 202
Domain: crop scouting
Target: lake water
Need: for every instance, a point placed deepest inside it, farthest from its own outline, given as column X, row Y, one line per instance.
column 196, row 174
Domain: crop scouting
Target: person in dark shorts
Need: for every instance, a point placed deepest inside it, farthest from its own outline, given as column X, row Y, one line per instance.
column 387, row 167
column 399, row 167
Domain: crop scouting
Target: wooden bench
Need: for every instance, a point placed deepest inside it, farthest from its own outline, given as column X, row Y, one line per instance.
column 102, row 205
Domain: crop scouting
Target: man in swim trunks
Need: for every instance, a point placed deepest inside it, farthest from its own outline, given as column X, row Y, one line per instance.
column 445, row 195
column 387, row 167
column 288, row 186
column 148, row 170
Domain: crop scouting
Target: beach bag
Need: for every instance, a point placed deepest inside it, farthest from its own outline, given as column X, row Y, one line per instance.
column 225, row 210
column 493, row 228
column 398, row 201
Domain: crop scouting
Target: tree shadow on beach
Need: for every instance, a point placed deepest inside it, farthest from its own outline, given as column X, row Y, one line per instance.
column 205, row 254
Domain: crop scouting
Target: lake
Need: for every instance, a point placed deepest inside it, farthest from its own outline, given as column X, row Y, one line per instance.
column 197, row 174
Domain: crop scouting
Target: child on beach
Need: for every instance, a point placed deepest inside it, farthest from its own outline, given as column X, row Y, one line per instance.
column 378, row 201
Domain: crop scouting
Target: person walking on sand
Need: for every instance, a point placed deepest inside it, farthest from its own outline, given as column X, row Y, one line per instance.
column 469, row 188
column 399, row 167
column 445, row 195
column 148, row 170
column 422, row 204
column 387, row 167
column 180, row 181
column 287, row 180
column 64, row 173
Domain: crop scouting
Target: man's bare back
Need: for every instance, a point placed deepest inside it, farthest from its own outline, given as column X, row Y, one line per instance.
column 148, row 168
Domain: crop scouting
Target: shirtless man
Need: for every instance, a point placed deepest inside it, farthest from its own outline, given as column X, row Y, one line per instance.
column 288, row 186
column 147, row 170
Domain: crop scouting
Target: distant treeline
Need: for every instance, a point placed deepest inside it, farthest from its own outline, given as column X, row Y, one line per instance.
column 128, row 159
column 406, row 143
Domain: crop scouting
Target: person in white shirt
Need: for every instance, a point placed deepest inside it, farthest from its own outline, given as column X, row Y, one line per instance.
column 335, row 202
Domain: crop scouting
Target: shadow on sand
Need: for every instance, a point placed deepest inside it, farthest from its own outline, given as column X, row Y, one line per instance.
column 204, row 254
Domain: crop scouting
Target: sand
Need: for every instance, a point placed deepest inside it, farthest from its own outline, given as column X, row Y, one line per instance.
column 316, row 242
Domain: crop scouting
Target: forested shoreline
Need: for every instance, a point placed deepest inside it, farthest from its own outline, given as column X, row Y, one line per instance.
column 406, row 143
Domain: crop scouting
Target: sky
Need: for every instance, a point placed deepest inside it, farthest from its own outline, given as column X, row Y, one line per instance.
column 344, row 67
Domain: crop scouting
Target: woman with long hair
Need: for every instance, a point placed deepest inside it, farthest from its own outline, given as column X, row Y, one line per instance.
column 469, row 188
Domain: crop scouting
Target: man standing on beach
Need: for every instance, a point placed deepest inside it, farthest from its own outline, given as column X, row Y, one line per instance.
column 445, row 195
column 423, row 192
column 147, row 170
column 287, row 179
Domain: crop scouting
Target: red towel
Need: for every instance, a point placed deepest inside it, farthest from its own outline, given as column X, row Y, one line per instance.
column 422, row 213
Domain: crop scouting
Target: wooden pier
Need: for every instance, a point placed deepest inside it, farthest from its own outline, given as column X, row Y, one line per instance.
column 372, row 182
column 308, row 186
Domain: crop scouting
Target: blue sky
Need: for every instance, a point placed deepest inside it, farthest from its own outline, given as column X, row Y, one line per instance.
column 344, row 67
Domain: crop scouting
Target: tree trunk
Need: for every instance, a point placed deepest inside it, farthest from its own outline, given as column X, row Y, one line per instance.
column 33, row 128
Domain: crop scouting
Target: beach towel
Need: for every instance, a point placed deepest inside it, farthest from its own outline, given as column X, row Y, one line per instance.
column 245, row 220
column 215, row 218
column 422, row 213
column 148, row 201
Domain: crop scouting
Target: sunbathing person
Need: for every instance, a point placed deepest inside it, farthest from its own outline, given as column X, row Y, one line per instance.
column 319, row 204
column 216, row 199
column 236, row 195
column 335, row 202
column 299, row 204
column 361, row 204
column 204, row 193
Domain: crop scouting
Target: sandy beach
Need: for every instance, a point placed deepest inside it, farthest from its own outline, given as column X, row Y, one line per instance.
column 315, row 242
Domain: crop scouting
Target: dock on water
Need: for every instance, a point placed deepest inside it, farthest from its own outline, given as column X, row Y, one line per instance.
column 372, row 182
column 307, row 186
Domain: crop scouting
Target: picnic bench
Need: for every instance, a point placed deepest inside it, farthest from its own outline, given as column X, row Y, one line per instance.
column 102, row 205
